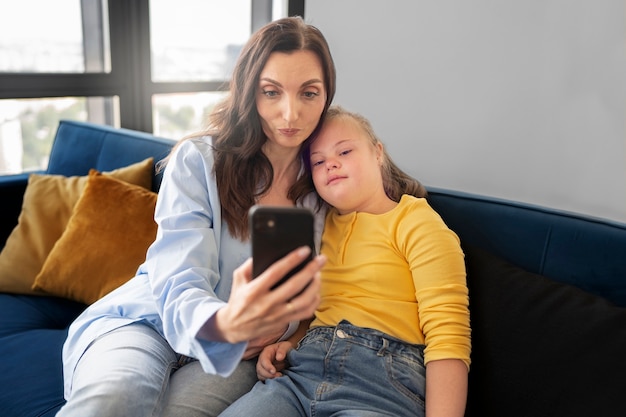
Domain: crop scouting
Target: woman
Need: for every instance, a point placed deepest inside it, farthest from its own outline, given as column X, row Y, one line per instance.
column 171, row 341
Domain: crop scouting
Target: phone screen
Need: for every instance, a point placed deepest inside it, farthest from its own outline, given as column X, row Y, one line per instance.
column 276, row 231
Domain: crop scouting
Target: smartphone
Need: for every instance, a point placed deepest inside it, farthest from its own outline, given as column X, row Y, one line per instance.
column 276, row 231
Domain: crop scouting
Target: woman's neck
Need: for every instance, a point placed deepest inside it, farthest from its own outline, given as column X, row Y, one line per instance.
column 286, row 167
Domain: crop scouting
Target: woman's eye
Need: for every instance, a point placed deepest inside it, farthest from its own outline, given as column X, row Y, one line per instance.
column 311, row 94
column 270, row 93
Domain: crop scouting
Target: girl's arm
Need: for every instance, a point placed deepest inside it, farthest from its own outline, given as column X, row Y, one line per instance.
column 446, row 388
column 300, row 332
column 436, row 259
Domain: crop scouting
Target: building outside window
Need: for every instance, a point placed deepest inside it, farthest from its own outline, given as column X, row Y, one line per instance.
column 153, row 65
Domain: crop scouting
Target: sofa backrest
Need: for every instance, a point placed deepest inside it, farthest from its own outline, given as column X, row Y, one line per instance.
column 583, row 251
column 80, row 146
column 579, row 250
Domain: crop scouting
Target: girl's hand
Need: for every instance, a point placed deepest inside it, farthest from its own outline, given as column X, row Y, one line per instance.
column 272, row 360
column 254, row 311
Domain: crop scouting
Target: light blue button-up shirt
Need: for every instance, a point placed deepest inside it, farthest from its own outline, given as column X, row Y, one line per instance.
column 187, row 274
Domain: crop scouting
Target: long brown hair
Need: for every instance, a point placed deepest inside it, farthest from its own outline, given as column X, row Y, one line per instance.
column 241, row 169
column 396, row 182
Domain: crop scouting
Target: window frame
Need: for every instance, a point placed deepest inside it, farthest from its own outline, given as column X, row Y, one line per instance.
column 130, row 76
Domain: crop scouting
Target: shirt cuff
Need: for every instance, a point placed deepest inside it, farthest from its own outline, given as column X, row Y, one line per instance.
column 291, row 329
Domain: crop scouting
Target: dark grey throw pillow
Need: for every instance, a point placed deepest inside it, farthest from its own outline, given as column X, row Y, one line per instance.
column 541, row 348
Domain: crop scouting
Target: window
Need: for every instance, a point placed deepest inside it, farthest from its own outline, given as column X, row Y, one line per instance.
column 192, row 41
column 152, row 65
column 28, row 126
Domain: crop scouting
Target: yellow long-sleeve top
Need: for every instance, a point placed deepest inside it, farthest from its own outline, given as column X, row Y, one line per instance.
column 401, row 272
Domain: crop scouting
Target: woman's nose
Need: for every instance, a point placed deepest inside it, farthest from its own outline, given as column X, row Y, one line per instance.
column 291, row 111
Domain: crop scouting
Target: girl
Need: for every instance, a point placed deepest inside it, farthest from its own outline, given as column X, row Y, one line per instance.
column 391, row 335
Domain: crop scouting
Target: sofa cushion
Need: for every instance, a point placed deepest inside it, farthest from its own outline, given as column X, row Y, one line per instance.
column 105, row 241
column 46, row 209
column 32, row 332
column 43, row 394
column 539, row 347
column 20, row 313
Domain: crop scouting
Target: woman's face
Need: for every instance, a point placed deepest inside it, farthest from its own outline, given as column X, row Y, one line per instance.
column 290, row 97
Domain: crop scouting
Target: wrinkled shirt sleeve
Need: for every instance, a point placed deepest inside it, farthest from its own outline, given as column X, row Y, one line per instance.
column 184, row 264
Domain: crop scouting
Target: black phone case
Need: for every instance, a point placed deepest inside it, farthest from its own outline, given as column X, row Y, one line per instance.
column 276, row 231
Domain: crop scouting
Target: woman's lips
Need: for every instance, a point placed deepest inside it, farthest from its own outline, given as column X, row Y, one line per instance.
column 289, row 132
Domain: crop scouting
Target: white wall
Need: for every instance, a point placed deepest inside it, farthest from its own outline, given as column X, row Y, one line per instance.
column 522, row 100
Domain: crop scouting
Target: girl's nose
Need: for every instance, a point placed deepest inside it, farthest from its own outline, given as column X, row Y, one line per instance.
column 332, row 163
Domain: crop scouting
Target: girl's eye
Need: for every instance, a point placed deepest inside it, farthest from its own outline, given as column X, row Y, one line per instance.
column 316, row 163
column 347, row 151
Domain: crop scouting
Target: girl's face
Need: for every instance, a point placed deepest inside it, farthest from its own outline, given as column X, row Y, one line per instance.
column 346, row 167
column 290, row 97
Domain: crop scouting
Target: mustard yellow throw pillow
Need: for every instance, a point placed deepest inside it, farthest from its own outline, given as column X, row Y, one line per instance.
column 105, row 241
column 46, row 209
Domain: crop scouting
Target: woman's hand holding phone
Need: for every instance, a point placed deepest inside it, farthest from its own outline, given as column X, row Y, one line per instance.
column 258, row 311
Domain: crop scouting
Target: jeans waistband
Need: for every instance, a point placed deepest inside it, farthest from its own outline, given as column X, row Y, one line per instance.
column 370, row 338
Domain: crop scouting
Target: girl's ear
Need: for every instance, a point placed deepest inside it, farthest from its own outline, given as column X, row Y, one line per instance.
column 380, row 153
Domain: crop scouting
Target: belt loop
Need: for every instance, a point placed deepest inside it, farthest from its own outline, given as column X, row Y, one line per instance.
column 383, row 349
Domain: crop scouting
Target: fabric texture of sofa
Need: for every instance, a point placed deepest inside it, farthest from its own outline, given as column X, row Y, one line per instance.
column 547, row 288
column 33, row 327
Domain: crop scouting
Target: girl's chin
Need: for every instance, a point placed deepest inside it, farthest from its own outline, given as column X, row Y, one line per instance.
column 335, row 201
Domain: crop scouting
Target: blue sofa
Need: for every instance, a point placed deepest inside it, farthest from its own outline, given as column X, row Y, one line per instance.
column 33, row 328
column 547, row 297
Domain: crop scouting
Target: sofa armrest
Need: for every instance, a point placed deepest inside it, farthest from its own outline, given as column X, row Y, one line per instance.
column 12, row 189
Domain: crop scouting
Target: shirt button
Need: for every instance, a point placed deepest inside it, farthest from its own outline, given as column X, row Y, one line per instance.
column 341, row 334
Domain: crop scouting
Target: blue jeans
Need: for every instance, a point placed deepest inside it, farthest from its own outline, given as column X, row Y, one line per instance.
column 133, row 371
column 342, row 371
